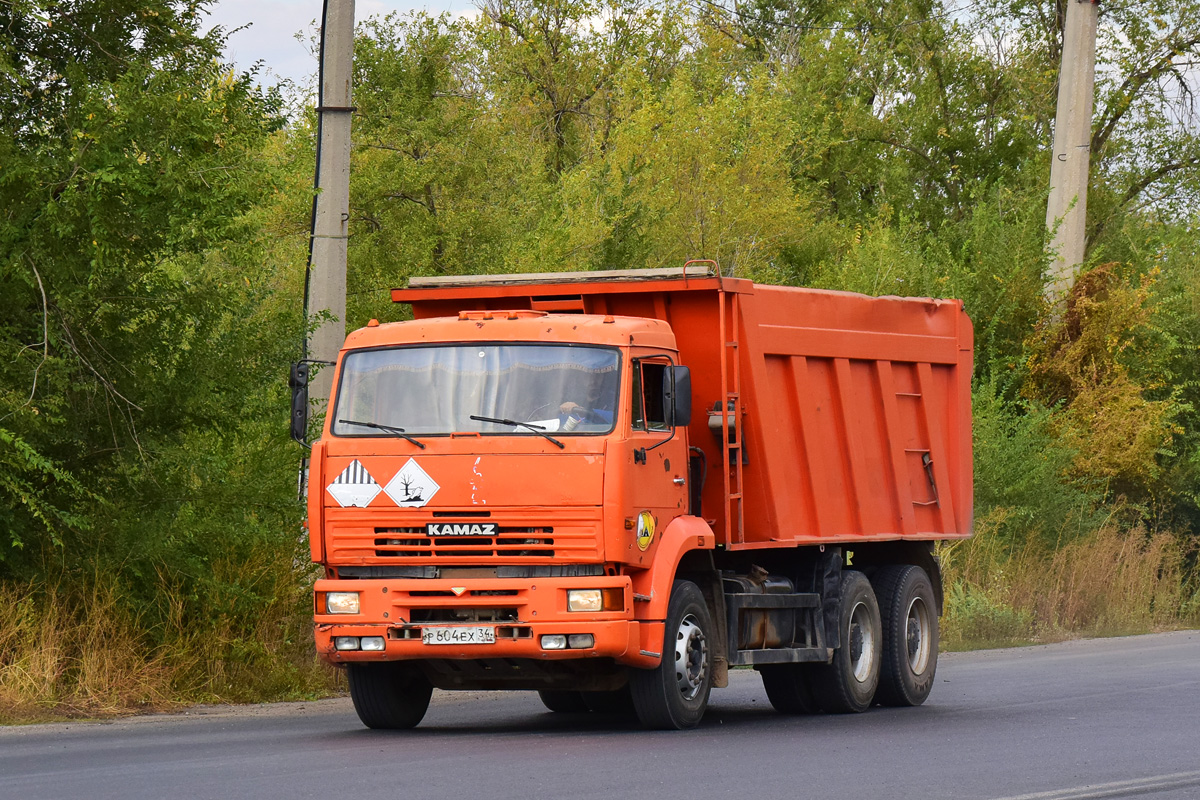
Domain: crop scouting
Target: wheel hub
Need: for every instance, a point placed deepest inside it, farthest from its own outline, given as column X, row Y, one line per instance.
column 861, row 640
column 917, row 635
column 691, row 658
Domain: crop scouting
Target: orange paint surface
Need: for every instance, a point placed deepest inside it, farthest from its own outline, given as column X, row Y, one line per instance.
column 842, row 398
column 823, row 418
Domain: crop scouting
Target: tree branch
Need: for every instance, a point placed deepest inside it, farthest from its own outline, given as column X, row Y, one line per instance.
column 409, row 198
column 1132, row 86
column 45, row 343
column 1146, row 181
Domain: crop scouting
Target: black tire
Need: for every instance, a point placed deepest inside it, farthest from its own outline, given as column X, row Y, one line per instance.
column 674, row 695
column 617, row 703
column 847, row 684
column 789, row 687
column 561, row 702
column 389, row 695
column 910, row 635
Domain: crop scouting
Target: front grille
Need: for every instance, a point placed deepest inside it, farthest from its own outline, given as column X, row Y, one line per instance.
column 463, row 615
column 472, row 593
column 359, row 539
column 413, row 542
column 507, row 571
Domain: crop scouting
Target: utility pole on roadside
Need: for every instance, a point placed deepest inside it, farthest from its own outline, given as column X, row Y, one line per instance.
column 325, row 290
column 1066, row 212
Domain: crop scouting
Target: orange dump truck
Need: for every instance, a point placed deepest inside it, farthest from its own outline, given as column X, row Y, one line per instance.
column 611, row 487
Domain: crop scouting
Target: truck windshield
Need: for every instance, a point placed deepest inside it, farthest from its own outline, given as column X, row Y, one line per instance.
column 565, row 389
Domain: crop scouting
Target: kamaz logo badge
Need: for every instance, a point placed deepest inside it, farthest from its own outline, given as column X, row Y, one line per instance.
column 461, row 529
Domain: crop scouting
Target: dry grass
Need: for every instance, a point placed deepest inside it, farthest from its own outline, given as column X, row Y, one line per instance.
column 258, row 645
column 1108, row 583
column 63, row 655
column 54, row 663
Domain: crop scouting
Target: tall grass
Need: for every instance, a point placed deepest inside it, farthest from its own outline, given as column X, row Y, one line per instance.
column 65, row 653
column 62, row 658
column 1105, row 583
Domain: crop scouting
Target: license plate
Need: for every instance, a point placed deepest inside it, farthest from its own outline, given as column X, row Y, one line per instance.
column 479, row 634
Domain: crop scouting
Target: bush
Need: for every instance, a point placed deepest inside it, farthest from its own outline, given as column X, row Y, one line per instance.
column 1024, row 489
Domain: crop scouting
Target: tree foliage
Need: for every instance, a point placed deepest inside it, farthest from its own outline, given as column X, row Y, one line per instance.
column 154, row 222
column 894, row 148
column 141, row 334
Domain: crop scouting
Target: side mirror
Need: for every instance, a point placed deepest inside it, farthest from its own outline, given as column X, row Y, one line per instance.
column 298, row 380
column 677, row 395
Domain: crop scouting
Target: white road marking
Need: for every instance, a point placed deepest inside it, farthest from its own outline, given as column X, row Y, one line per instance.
column 1156, row 783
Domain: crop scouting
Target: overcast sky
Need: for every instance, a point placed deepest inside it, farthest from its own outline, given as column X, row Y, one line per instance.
column 271, row 37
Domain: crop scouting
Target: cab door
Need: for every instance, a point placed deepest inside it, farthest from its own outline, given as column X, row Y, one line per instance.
column 658, row 463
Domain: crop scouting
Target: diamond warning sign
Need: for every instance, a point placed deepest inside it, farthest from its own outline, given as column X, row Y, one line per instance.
column 354, row 487
column 412, row 487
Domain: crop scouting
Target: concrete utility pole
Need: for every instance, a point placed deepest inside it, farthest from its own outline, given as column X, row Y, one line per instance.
column 326, row 291
column 1066, row 213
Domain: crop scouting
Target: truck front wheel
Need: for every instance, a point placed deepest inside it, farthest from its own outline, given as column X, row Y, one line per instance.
column 848, row 683
column 674, row 695
column 617, row 702
column 390, row 694
column 910, row 635
column 563, row 702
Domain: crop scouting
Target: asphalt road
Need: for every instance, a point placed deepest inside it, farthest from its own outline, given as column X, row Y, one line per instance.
column 1089, row 719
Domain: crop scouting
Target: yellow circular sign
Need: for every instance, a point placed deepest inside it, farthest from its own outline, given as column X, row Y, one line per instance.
column 645, row 529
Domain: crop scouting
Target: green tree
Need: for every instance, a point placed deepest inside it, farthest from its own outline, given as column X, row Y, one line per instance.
column 438, row 187
column 151, row 250
column 125, row 145
column 701, row 172
column 558, row 60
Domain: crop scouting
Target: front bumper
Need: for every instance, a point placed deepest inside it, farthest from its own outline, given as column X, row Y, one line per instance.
column 520, row 610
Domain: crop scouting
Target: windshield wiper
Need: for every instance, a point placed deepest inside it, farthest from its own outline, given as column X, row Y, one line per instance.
column 388, row 428
column 538, row 429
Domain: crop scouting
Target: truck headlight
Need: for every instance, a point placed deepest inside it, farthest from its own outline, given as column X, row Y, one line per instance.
column 584, row 600
column 341, row 602
column 595, row 600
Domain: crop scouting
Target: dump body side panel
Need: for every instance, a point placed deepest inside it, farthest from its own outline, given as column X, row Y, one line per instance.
column 857, row 417
column 855, row 411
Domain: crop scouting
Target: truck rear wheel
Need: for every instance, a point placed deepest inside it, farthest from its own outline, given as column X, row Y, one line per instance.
column 562, row 702
column 674, row 695
column 848, row 683
column 910, row 635
column 788, row 687
column 390, row 694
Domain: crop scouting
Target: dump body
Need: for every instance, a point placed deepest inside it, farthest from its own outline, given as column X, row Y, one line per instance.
column 854, row 411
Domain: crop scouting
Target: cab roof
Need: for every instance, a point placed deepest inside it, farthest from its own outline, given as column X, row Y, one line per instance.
column 522, row 325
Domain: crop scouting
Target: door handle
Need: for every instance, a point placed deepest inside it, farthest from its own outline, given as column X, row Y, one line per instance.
column 680, row 481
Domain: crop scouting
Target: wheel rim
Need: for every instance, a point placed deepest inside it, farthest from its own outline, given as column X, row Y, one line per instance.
column 862, row 642
column 917, row 635
column 691, row 658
